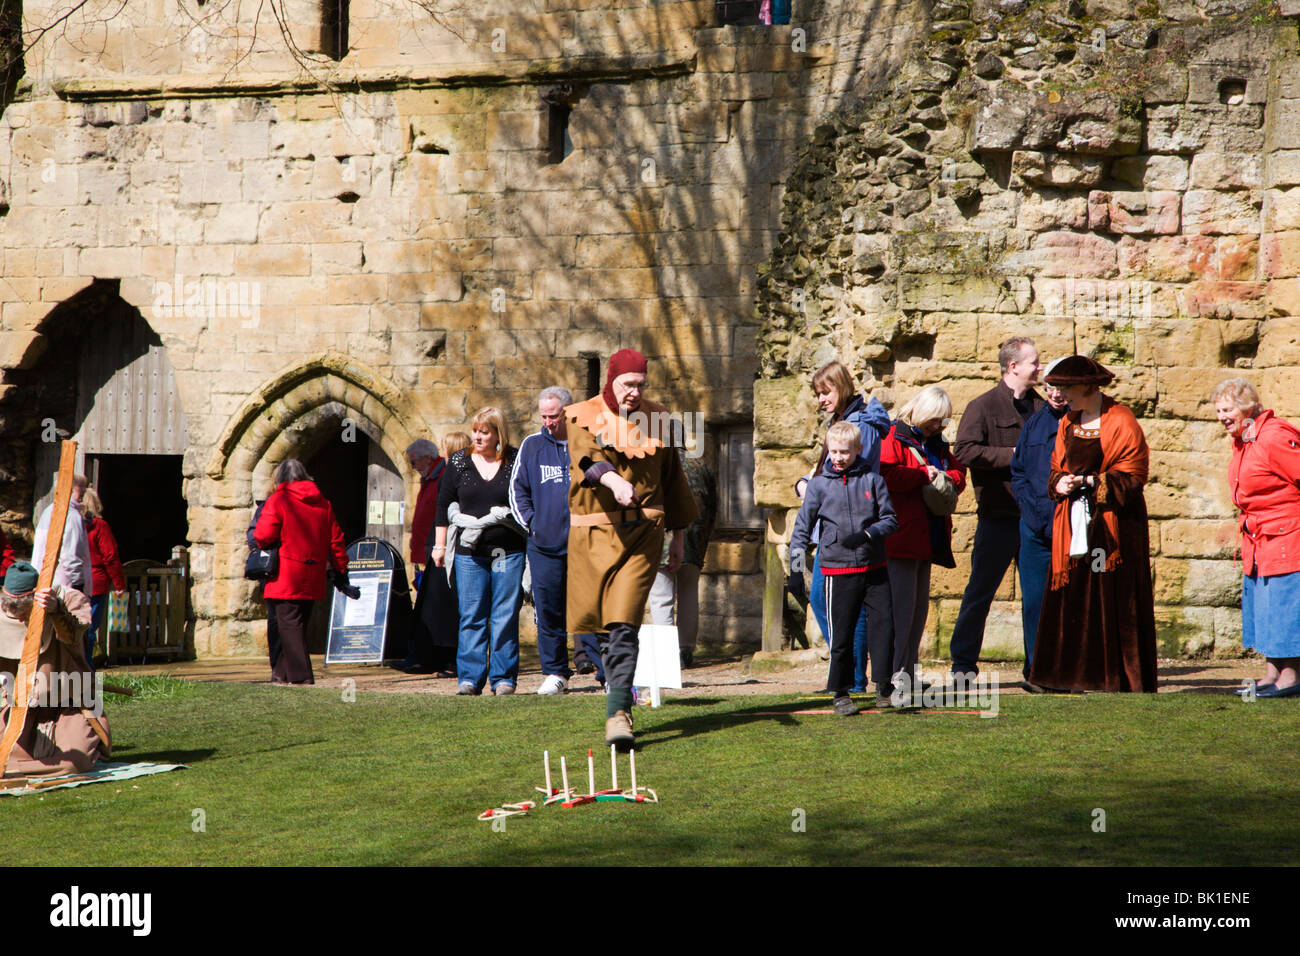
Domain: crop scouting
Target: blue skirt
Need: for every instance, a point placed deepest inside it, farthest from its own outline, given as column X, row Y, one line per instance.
column 1270, row 614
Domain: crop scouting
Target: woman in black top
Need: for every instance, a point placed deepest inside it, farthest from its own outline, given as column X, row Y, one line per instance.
column 489, row 556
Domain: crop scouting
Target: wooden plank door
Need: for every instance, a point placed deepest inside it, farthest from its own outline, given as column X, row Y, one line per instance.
column 385, row 499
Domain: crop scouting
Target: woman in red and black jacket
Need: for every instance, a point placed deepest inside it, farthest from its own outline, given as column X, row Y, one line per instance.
column 910, row 456
column 301, row 522
column 1264, row 476
column 105, row 566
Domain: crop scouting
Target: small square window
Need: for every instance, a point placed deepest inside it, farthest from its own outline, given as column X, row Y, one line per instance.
column 736, row 508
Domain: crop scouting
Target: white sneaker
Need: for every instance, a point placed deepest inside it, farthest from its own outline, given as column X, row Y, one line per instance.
column 554, row 684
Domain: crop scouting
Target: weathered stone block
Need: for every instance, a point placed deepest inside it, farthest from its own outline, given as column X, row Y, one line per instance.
column 1282, row 168
column 1180, row 258
column 21, row 350
column 1152, row 172
column 1136, row 213
column 1188, row 129
column 785, row 414
column 1197, row 539
column 1039, row 212
column 1279, row 342
column 1012, row 117
column 1065, row 254
column 1227, row 171
column 1184, row 392
column 1282, row 209
column 1055, row 169
column 1286, row 125
column 1280, row 388
column 1280, row 255
column 775, row 473
column 1209, row 212
column 733, row 557
column 1224, row 300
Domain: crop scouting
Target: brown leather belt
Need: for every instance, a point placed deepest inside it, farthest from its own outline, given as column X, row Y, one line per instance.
column 615, row 517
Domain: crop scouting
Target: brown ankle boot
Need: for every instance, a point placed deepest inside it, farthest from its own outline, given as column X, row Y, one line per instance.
column 618, row 730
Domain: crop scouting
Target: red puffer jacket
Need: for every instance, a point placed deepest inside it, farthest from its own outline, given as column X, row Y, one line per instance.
column 1265, row 478
column 299, row 519
column 905, row 476
column 105, row 564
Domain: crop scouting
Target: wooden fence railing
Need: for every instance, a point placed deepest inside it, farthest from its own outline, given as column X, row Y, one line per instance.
column 157, row 610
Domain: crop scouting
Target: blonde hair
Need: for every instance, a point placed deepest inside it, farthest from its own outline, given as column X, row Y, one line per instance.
column 1240, row 391
column 845, row 432
column 835, row 375
column 91, row 504
column 492, row 417
column 926, row 405
column 453, row 442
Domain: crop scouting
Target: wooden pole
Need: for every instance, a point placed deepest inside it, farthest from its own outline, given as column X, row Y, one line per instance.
column 36, row 623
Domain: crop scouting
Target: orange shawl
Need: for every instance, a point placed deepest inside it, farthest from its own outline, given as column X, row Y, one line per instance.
column 1123, row 450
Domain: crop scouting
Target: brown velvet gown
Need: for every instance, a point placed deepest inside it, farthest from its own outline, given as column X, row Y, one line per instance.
column 1098, row 631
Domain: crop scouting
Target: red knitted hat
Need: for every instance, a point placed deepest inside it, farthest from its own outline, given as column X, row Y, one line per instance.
column 620, row 363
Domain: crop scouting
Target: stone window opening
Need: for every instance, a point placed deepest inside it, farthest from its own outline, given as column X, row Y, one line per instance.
column 593, row 374
column 334, row 28
column 748, row 13
column 1232, row 91
column 735, row 476
column 559, row 102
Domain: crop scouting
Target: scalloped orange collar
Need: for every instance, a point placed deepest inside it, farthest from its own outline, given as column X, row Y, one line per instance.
column 624, row 434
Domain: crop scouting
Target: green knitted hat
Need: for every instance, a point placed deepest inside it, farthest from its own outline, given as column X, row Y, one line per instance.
column 21, row 578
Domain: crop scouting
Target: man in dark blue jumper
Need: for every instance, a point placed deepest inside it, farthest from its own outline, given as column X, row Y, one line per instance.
column 539, row 498
column 1030, row 466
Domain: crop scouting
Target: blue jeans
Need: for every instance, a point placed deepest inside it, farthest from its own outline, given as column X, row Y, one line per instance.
column 490, row 593
column 98, row 606
column 997, row 540
column 817, row 598
column 1035, row 561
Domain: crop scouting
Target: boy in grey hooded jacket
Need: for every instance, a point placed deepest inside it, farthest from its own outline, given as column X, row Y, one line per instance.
column 850, row 503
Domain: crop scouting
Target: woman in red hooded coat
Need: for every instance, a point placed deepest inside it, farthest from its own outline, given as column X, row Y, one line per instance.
column 298, row 520
column 911, row 455
column 1265, row 479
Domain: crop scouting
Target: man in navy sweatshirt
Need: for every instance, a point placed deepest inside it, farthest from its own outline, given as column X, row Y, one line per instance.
column 539, row 498
column 1030, row 466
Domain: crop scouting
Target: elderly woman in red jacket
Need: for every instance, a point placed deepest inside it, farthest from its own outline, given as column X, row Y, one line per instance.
column 911, row 456
column 301, row 522
column 1264, row 475
column 105, row 566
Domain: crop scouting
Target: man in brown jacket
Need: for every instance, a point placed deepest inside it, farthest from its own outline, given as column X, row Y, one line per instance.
column 626, row 488
column 986, row 440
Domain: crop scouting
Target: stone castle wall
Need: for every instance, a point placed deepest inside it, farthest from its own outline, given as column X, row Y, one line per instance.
column 414, row 254
column 1115, row 179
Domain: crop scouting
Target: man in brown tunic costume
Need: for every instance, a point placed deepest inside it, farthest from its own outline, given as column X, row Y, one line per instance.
column 626, row 488
column 55, row 739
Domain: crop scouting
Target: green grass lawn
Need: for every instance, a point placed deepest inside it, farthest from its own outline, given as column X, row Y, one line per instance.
column 299, row 777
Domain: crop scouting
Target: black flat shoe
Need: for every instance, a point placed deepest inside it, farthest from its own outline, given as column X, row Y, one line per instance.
column 1241, row 691
column 1272, row 692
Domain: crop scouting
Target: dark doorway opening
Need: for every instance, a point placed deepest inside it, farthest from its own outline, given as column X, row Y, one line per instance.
column 362, row 486
column 143, row 503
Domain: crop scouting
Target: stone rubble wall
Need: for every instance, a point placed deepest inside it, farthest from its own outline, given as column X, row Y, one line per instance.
column 1110, row 178
column 378, row 204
